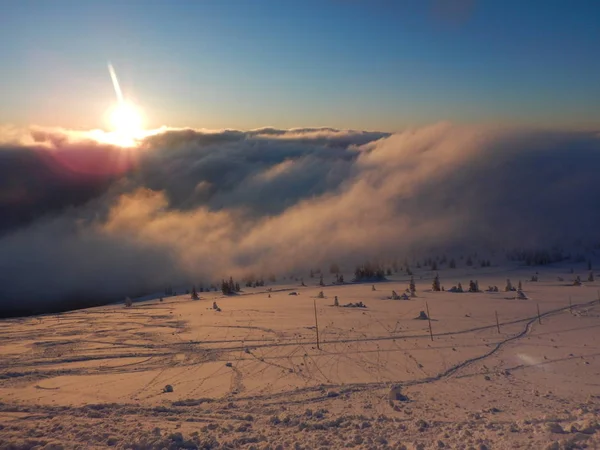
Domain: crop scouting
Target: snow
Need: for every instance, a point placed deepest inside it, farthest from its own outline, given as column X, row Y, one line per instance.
column 251, row 375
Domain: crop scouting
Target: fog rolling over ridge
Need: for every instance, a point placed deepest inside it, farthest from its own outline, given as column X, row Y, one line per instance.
column 85, row 222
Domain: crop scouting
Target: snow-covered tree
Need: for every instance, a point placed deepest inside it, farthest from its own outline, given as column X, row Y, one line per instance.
column 435, row 286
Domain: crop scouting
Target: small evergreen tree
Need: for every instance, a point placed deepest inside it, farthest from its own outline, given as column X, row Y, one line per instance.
column 591, row 277
column 520, row 288
column 224, row 287
column 508, row 287
column 412, row 286
column 194, row 295
column 436, row 283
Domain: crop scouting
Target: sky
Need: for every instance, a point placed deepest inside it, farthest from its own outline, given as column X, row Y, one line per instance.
column 377, row 64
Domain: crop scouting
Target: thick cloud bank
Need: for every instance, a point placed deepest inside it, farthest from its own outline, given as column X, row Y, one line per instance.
column 84, row 222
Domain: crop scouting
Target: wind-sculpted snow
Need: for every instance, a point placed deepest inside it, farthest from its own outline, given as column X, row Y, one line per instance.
column 83, row 220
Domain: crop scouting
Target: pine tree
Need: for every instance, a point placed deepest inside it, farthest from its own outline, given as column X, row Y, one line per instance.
column 459, row 288
column 508, row 287
column 591, row 277
column 472, row 286
column 194, row 295
column 412, row 286
column 520, row 288
column 224, row 288
column 436, row 283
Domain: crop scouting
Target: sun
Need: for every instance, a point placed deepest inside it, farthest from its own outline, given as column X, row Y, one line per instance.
column 126, row 119
column 126, row 124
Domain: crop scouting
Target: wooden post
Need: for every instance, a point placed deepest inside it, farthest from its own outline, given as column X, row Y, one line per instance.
column 497, row 322
column 317, row 324
column 429, row 320
column 538, row 311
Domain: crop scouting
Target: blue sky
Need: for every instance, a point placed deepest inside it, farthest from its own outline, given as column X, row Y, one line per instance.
column 376, row 64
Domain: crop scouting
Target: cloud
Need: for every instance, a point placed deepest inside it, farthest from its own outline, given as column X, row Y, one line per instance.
column 189, row 206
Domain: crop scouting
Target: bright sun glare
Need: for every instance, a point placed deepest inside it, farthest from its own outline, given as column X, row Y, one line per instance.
column 126, row 124
column 126, row 119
